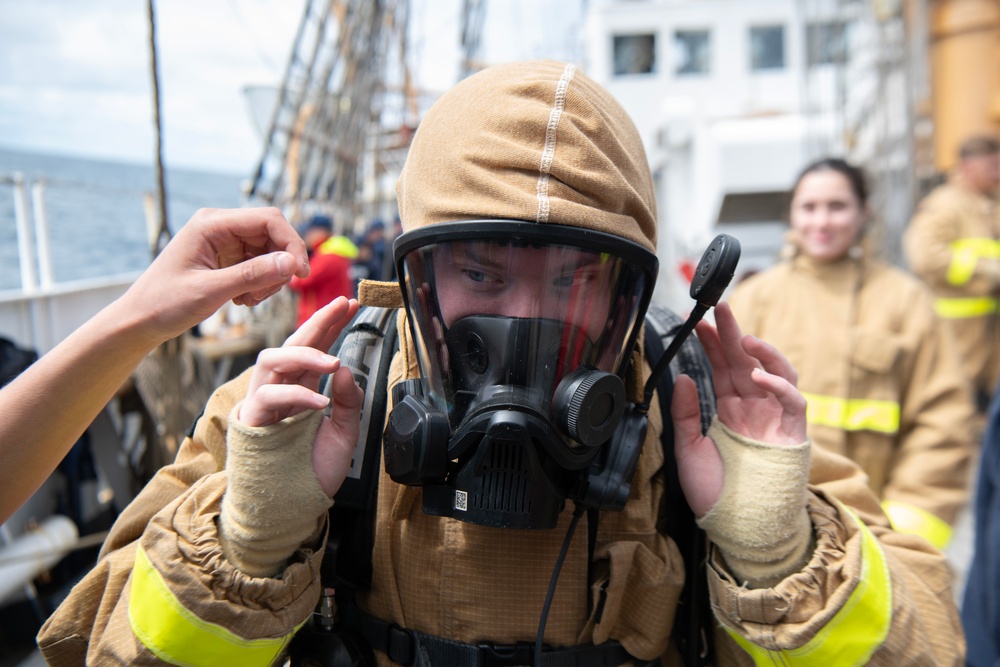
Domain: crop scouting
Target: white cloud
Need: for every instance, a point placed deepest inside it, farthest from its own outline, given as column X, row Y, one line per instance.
column 75, row 75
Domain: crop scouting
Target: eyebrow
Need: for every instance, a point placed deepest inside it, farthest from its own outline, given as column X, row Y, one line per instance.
column 480, row 254
column 468, row 251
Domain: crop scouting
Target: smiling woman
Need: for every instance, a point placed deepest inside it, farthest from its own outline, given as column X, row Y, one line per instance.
column 828, row 213
column 882, row 384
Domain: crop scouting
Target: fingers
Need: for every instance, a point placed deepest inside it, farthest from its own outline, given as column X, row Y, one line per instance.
column 285, row 380
column 739, row 361
column 268, row 398
column 779, row 378
column 734, row 356
column 793, row 404
column 322, row 329
column 771, row 360
column 253, row 280
column 708, row 336
column 292, row 361
column 235, row 233
column 755, row 383
column 271, row 403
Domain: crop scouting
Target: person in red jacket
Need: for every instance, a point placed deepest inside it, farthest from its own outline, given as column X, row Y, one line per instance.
column 330, row 261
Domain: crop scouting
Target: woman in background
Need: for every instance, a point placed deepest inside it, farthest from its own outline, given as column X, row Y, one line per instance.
column 881, row 380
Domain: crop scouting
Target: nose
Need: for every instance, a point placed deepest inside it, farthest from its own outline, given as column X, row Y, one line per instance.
column 822, row 217
column 523, row 300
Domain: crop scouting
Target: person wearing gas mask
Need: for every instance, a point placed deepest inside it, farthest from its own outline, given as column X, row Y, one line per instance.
column 526, row 266
column 883, row 383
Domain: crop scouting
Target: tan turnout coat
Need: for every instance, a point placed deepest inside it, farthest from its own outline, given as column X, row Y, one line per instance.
column 864, row 331
column 953, row 212
column 471, row 583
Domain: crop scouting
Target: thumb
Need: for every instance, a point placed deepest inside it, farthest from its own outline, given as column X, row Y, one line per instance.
column 256, row 274
column 699, row 466
column 347, row 399
column 685, row 410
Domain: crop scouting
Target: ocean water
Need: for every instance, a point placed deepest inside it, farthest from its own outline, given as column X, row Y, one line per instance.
column 95, row 211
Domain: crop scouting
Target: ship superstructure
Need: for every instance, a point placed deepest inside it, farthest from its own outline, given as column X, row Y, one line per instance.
column 733, row 97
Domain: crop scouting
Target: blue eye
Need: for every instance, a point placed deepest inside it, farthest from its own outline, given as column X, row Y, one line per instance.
column 475, row 276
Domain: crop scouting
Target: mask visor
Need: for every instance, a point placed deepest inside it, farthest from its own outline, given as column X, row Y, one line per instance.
column 499, row 305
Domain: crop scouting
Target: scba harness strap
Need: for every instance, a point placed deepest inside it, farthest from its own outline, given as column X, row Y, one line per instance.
column 410, row 647
column 367, row 346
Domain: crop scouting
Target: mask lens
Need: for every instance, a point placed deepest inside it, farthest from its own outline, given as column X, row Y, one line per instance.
column 518, row 311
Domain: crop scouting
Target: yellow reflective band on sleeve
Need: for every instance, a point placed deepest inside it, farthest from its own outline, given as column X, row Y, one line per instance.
column 907, row 518
column 954, row 309
column 855, row 632
column 855, row 414
column 964, row 255
column 175, row 635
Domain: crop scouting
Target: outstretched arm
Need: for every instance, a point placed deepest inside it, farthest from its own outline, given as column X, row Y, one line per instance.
column 244, row 255
column 222, row 548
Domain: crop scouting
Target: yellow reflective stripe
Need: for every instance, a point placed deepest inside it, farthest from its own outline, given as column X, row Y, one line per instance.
column 855, row 414
column 175, row 635
column 910, row 519
column 964, row 255
column 855, row 632
column 969, row 307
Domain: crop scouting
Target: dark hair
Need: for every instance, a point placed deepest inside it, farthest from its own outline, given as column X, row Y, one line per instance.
column 854, row 175
column 978, row 145
column 320, row 221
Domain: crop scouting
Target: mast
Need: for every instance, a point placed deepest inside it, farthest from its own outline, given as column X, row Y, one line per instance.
column 163, row 233
column 330, row 106
column 473, row 15
column 871, row 102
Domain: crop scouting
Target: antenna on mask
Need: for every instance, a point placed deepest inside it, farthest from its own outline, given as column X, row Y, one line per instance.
column 713, row 275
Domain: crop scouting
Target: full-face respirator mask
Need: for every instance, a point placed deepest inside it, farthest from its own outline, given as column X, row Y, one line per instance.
column 522, row 333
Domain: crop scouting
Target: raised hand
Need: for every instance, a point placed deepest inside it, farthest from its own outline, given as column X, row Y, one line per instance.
column 285, row 382
column 756, row 397
column 244, row 255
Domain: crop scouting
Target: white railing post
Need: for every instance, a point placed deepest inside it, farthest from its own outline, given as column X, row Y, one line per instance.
column 42, row 235
column 25, row 247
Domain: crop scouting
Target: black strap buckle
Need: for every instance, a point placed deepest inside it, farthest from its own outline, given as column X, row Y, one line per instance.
column 400, row 644
column 506, row 655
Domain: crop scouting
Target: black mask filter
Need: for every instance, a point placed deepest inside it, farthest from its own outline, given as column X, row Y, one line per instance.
column 522, row 334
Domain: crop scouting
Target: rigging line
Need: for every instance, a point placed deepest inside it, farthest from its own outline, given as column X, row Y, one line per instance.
column 256, row 43
column 163, row 234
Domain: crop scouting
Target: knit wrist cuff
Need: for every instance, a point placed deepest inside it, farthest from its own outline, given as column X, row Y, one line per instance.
column 760, row 521
column 274, row 502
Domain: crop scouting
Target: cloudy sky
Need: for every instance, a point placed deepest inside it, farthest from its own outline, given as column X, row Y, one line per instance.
column 75, row 74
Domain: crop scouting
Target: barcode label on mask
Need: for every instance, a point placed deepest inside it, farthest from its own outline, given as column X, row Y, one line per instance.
column 461, row 500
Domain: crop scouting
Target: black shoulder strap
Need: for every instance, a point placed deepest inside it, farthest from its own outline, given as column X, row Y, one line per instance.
column 366, row 346
column 693, row 625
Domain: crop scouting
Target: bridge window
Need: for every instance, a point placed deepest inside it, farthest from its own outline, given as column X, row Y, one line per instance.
column 767, row 47
column 692, row 52
column 634, row 54
column 825, row 43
